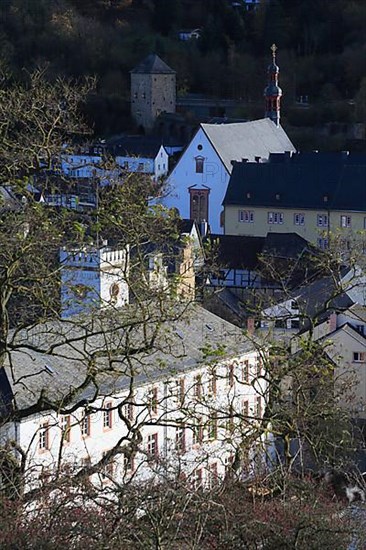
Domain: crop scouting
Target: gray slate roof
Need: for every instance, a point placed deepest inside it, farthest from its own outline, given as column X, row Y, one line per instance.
column 243, row 251
column 69, row 346
column 303, row 180
column 152, row 64
column 8, row 201
column 237, row 141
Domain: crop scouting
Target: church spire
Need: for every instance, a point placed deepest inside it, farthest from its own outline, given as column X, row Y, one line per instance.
column 272, row 92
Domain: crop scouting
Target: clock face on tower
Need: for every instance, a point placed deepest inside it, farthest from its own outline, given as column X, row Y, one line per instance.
column 114, row 291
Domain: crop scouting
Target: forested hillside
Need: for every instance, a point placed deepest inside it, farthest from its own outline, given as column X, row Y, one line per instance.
column 322, row 49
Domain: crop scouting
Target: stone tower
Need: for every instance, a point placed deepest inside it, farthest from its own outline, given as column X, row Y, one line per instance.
column 153, row 91
column 93, row 279
column 272, row 92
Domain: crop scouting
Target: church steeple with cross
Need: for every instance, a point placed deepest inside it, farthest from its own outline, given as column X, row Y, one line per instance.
column 272, row 92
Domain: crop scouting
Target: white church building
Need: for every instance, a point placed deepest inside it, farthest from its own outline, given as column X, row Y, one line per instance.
column 198, row 183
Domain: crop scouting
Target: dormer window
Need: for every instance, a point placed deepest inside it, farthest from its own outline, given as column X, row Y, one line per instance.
column 249, row 195
column 325, row 198
column 278, row 196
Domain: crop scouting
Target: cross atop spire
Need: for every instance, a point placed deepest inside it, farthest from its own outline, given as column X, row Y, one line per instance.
column 273, row 92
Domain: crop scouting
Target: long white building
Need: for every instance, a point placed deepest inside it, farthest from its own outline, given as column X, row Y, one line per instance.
column 181, row 408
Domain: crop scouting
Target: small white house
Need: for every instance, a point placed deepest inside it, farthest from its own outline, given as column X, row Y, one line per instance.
column 155, row 164
column 131, row 154
column 81, row 165
column 198, row 183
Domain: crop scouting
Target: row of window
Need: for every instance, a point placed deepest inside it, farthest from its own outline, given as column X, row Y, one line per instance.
column 204, row 432
column 66, row 427
column 198, row 477
column 152, row 442
column 241, row 373
column 277, row 218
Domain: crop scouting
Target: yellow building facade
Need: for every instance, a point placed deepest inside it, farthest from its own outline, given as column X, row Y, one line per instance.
column 316, row 226
column 316, row 195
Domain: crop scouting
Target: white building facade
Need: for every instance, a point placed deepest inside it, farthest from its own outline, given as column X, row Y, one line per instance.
column 191, row 424
column 188, row 419
column 198, row 183
column 93, row 166
column 93, row 278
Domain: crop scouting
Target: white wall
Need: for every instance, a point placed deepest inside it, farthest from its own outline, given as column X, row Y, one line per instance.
column 161, row 163
column 86, row 166
column 169, row 411
column 87, row 278
column 80, row 166
column 183, row 176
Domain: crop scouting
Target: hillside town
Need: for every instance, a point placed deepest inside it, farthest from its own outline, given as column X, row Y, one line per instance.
column 182, row 314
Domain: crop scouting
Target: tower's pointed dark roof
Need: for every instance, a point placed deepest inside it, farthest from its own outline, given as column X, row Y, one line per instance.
column 152, row 64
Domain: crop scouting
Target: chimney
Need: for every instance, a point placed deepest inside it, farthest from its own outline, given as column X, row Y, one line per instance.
column 332, row 321
column 250, row 325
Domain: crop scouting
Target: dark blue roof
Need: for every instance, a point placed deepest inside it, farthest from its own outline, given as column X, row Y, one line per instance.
column 139, row 146
column 243, row 251
column 335, row 181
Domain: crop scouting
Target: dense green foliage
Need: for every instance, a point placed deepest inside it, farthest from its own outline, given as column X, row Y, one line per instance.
column 322, row 49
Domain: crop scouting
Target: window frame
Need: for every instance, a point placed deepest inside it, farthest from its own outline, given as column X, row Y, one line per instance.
column 197, row 432
column 108, row 416
column 322, row 243
column 108, row 467
column 275, row 218
column 212, row 427
column 322, row 220
column 153, row 401
column 44, row 436
column 231, row 375
column 246, row 216
column 129, row 411
column 65, row 425
column 245, row 371
column 299, row 218
column 345, row 221
column 213, row 382
column 199, row 164
column 152, row 445
column 180, row 439
column 85, row 425
column 198, row 386
column 128, row 463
